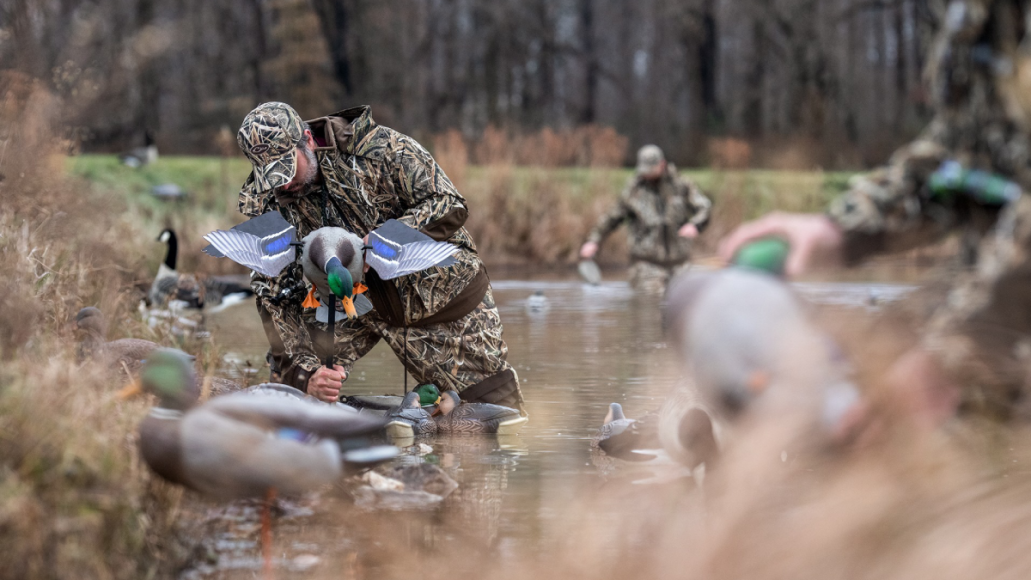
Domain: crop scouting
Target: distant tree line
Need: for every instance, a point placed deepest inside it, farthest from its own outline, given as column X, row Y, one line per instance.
column 781, row 82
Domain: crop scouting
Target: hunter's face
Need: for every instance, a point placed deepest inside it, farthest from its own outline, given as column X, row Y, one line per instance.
column 307, row 165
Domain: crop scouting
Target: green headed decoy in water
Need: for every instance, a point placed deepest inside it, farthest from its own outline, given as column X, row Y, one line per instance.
column 429, row 394
column 455, row 416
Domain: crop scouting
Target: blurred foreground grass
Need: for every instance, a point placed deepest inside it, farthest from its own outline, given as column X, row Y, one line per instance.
column 518, row 214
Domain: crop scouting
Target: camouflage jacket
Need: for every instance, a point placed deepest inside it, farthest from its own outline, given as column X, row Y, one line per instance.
column 654, row 214
column 370, row 174
column 977, row 123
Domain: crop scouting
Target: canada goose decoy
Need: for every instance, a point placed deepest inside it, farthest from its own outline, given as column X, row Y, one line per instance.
column 140, row 156
column 91, row 329
column 333, row 258
column 409, row 419
column 455, row 416
column 192, row 290
column 242, row 445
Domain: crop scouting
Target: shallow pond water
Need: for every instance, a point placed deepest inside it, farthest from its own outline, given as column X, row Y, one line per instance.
column 587, row 347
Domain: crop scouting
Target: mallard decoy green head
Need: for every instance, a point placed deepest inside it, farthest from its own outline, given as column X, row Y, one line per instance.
column 429, row 394
column 332, row 261
column 168, row 374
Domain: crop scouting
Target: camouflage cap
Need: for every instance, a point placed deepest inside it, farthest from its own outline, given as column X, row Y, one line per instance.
column 649, row 158
column 269, row 136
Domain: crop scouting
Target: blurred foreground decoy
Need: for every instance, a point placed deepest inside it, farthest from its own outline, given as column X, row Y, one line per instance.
column 140, row 156
column 751, row 348
column 124, row 353
column 455, row 416
column 246, row 445
column 333, row 258
column 192, row 290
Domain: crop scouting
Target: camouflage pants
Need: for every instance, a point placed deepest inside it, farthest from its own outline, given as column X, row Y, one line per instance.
column 982, row 335
column 652, row 279
column 467, row 355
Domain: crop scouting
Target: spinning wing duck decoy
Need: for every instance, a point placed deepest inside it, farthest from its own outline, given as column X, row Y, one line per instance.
column 333, row 258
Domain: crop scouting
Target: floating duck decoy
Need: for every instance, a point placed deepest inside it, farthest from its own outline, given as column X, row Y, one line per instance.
column 615, row 423
column 127, row 353
column 538, row 302
column 242, row 445
column 192, row 290
column 409, row 419
column 333, row 258
column 140, row 156
column 428, row 393
column 455, row 416
column 682, row 429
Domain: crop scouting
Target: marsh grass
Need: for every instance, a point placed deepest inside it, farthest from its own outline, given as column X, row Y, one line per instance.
column 75, row 501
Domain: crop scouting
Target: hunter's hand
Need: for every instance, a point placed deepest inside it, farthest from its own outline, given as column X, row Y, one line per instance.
column 807, row 235
column 588, row 250
column 689, row 231
column 325, row 384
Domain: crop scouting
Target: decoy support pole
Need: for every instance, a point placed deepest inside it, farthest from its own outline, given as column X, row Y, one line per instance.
column 332, row 319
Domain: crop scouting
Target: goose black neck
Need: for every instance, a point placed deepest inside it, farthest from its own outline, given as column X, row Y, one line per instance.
column 173, row 250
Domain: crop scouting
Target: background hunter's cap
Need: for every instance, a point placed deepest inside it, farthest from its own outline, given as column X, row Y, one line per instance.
column 269, row 136
column 649, row 158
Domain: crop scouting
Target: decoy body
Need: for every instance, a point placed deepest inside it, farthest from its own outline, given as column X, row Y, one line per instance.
column 455, row 416
column 91, row 328
column 428, row 393
column 333, row 259
column 751, row 347
column 192, row 290
column 409, row 419
column 615, row 423
column 243, row 445
column 332, row 262
column 682, row 428
column 140, row 156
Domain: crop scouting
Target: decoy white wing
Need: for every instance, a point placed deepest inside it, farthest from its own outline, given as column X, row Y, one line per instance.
column 392, row 260
column 264, row 244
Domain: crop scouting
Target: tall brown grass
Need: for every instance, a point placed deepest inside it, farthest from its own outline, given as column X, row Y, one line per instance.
column 75, row 501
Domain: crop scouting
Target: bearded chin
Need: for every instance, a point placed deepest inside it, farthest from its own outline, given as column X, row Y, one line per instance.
column 312, row 169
